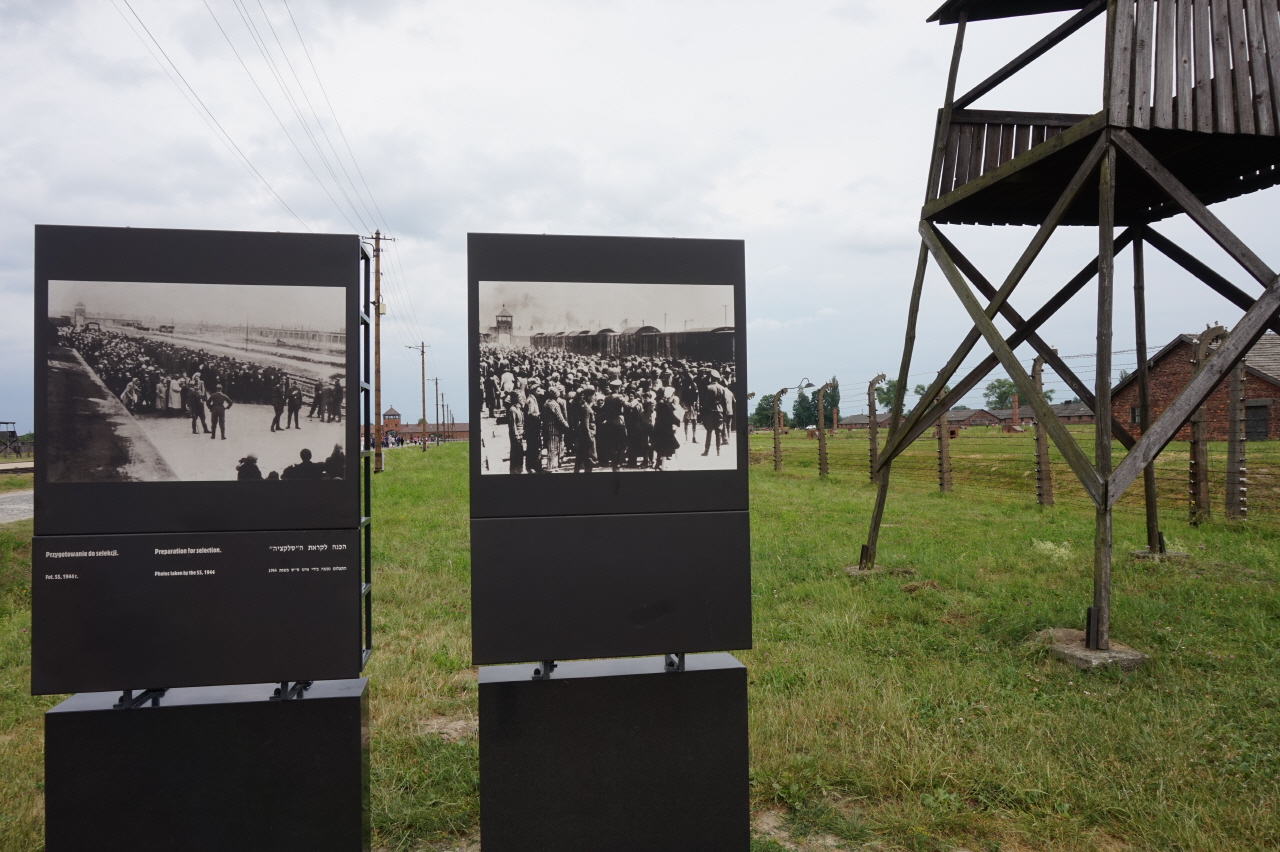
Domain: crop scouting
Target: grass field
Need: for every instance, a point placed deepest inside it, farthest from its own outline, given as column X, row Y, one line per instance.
column 16, row 482
column 901, row 711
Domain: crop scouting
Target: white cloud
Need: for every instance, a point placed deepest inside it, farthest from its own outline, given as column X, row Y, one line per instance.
column 803, row 129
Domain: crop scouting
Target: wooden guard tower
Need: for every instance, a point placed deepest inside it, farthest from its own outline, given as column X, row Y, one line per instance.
column 1190, row 116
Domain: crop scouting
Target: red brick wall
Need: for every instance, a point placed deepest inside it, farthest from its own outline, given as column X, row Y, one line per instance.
column 1170, row 375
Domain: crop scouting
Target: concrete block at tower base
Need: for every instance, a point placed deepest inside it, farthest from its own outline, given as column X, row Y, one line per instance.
column 1069, row 646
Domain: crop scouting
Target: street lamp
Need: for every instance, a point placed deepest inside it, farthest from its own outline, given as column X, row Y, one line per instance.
column 804, row 384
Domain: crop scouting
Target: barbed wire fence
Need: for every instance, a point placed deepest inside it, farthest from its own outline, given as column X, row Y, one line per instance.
column 992, row 458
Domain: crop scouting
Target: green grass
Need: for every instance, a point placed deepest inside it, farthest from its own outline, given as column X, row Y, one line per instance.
column 16, row 482
column 922, row 720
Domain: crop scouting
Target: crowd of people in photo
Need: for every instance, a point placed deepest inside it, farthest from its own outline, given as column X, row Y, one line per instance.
column 566, row 410
column 164, row 379
column 334, row 467
column 158, row 369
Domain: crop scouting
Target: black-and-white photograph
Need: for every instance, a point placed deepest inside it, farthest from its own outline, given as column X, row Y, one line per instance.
column 587, row 377
column 181, row 382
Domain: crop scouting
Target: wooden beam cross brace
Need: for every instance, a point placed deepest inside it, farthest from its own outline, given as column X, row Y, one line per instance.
column 1014, row 278
column 1066, row 444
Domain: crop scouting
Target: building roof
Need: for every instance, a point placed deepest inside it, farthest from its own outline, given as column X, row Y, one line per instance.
column 1071, row 409
column 1025, row 412
column 985, row 10
column 391, row 412
column 864, row 419
column 1263, row 360
column 641, row 329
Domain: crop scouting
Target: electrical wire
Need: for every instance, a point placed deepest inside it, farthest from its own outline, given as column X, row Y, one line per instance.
column 203, row 110
column 270, row 107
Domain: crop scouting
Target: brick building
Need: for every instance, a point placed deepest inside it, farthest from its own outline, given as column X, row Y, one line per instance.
column 392, row 427
column 1170, row 370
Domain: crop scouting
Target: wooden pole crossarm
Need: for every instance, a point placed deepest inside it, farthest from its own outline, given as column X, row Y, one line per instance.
column 1015, row 277
column 1031, row 54
column 1039, row 318
column 1043, row 349
column 1236, row 346
column 1193, row 207
column 1067, row 445
column 1199, row 269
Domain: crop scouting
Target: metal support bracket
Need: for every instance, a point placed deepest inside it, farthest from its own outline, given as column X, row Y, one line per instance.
column 129, row 701
column 544, row 669
column 285, row 692
column 674, row 662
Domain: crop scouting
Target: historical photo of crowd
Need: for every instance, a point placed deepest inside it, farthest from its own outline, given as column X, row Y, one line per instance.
column 583, row 377
column 153, row 382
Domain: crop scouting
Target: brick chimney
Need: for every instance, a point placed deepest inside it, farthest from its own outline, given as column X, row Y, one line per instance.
column 1017, row 421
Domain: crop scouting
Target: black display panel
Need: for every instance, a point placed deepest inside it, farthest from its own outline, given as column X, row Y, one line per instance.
column 193, row 381
column 616, row 755
column 145, row 611
column 646, row 333
column 609, row 586
column 210, row 770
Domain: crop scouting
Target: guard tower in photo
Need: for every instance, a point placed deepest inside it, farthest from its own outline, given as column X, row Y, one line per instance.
column 503, row 327
column 1187, row 117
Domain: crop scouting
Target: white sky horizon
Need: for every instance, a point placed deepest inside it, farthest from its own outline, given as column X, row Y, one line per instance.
column 802, row 129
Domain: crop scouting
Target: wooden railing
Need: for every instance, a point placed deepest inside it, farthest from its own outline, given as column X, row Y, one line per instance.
column 1210, row 66
column 980, row 141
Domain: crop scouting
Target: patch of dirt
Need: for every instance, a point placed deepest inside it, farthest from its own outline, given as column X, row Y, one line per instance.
column 449, row 728
column 771, row 825
column 912, row 588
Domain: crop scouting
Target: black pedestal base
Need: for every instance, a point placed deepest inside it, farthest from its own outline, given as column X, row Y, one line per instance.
column 210, row 768
column 617, row 755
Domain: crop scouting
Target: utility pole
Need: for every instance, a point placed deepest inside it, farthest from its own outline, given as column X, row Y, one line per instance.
column 422, row 350
column 443, row 409
column 437, row 381
column 378, row 310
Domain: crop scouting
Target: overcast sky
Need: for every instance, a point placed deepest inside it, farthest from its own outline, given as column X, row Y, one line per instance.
column 319, row 308
column 572, row 306
column 801, row 128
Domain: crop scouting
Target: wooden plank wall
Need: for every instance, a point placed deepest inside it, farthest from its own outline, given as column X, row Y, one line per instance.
column 1211, row 66
column 980, row 141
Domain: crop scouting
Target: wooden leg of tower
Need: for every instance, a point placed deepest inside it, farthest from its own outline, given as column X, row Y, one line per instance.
column 1144, row 392
column 1099, row 624
column 868, row 559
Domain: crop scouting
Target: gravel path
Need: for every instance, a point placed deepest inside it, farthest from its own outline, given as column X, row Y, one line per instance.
column 17, row 506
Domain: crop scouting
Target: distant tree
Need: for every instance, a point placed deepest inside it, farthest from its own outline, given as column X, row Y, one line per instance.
column 959, row 408
column 1124, row 374
column 885, row 391
column 763, row 416
column 999, row 393
column 921, row 390
column 1075, row 400
column 830, row 404
column 804, row 411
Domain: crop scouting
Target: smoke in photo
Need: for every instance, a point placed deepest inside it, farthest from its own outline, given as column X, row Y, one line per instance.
column 579, row 378
column 152, row 382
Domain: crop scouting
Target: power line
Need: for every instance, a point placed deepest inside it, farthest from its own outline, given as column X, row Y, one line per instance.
column 266, row 100
column 203, row 111
column 397, row 279
column 298, row 112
